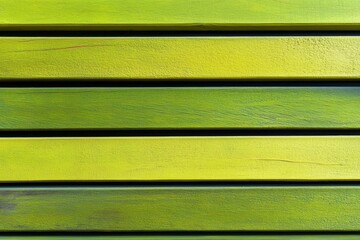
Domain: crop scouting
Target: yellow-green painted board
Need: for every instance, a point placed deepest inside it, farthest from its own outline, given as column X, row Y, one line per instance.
column 180, row 14
column 180, row 108
column 180, row 158
column 197, row 237
column 302, row 208
column 174, row 58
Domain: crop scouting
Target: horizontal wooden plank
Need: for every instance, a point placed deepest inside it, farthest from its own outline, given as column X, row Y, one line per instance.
column 180, row 108
column 180, row 15
column 174, row 58
column 197, row 237
column 180, row 158
column 319, row 208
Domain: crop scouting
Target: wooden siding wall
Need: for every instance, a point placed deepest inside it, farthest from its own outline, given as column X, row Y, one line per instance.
column 179, row 119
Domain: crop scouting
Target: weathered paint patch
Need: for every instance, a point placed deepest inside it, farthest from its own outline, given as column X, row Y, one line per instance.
column 268, row 208
column 180, row 108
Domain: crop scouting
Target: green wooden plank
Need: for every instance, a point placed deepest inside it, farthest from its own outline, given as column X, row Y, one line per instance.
column 180, row 58
column 179, row 108
column 320, row 208
column 180, row 14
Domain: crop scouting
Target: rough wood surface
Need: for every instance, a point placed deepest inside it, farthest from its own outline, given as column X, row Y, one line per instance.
column 180, row 14
column 180, row 158
column 180, row 108
column 174, row 58
column 268, row 208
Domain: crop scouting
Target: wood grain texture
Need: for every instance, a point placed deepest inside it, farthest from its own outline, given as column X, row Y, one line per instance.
column 267, row 208
column 198, row 237
column 174, row 58
column 180, row 108
column 180, row 158
column 180, row 15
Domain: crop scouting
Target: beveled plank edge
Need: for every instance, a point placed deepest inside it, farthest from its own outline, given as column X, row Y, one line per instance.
column 190, row 237
column 183, row 27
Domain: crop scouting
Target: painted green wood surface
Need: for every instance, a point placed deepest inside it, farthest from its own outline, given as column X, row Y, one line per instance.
column 181, row 208
column 180, row 108
column 180, row 14
column 174, row 58
column 180, row 158
column 205, row 237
